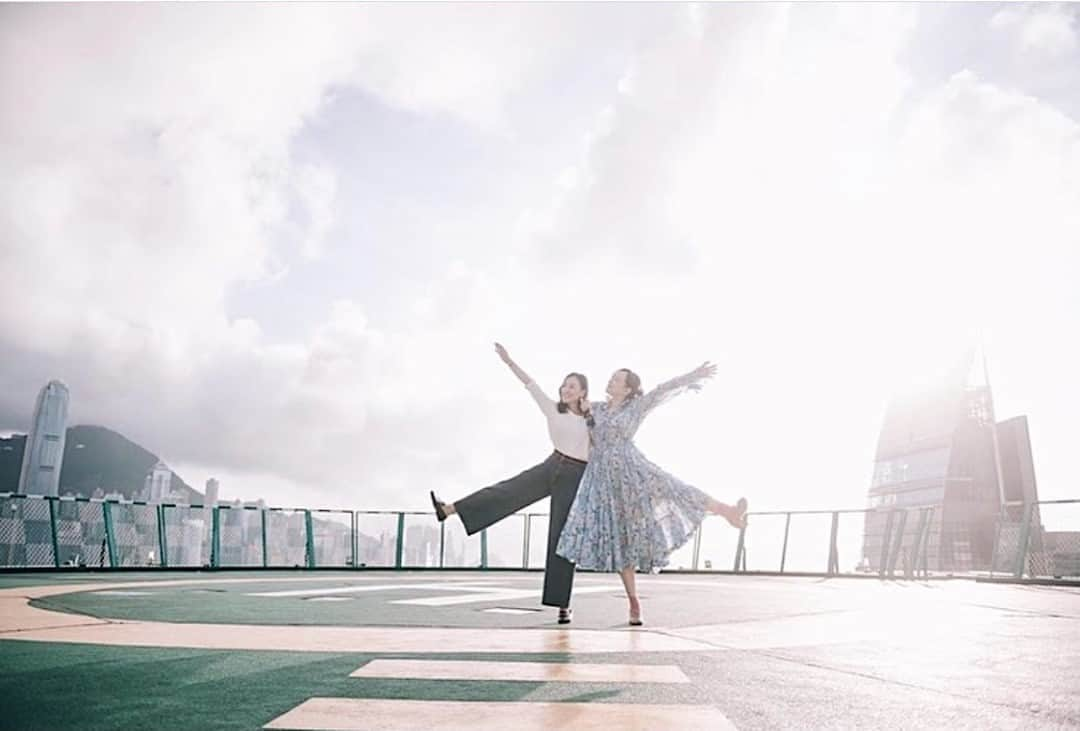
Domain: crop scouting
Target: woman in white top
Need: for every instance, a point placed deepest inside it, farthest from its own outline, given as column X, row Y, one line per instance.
column 557, row 476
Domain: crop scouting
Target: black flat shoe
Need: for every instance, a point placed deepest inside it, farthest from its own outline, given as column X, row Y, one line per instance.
column 440, row 513
column 565, row 615
column 635, row 621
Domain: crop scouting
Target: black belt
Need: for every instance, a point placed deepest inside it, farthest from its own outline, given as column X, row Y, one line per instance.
column 568, row 458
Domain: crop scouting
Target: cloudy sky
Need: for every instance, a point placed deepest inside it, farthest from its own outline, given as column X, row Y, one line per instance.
column 274, row 244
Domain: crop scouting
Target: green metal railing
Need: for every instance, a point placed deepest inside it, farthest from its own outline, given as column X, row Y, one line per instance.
column 1043, row 542
column 44, row 532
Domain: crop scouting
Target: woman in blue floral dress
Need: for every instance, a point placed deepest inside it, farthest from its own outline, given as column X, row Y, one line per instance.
column 629, row 514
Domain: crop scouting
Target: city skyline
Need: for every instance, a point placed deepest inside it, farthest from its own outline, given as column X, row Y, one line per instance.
column 940, row 454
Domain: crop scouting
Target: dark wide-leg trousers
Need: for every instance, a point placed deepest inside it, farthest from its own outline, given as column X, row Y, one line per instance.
column 558, row 477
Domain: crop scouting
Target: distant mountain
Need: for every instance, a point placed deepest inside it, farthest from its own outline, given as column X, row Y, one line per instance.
column 94, row 457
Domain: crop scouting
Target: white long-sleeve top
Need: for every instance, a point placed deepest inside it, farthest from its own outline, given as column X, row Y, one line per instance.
column 569, row 432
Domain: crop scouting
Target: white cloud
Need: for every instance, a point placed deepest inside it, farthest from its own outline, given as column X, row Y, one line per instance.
column 1043, row 28
column 835, row 230
column 157, row 138
column 316, row 187
column 767, row 187
column 148, row 167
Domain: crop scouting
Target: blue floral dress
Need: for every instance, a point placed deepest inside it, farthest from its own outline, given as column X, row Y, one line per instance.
column 628, row 512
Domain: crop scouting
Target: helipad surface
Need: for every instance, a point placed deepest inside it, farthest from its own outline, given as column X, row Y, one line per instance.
column 356, row 650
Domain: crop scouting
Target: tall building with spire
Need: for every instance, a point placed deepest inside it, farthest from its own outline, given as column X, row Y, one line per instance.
column 44, row 452
column 941, row 448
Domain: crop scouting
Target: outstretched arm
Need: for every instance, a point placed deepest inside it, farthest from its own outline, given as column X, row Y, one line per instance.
column 546, row 404
column 702, row 372
column 505, row 357
column 687, row 382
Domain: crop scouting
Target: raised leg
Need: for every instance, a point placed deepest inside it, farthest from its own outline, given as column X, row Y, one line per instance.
column 733, row 514
column 491, row 504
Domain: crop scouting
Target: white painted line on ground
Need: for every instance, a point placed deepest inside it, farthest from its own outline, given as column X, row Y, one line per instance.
column 446, row 601
column 360, row 714
column 509, row 610
column 430, row 586
column 124, row 593
column 493, row 596
column 521, row 671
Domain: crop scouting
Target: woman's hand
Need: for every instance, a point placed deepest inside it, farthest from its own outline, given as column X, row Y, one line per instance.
column 705, row 370
column 586, row 411
column 505, row 357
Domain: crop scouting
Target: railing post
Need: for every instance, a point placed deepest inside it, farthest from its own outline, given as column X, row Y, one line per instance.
column 924, row 515
column 310, row 530
column 898, row 542
column 55, row 539
column 924, row 540
column 1022, row 544
column 355, row 539
column 399, row 549
column 442, row 544
column 215, row 536
column 697, row 548
column 783, row 551
column 483, row 549
column 997, row 543
column 525, row 542
column 265, row 553
column 886, row 540
column 110, row 536
column 740, row 550
column 163, row 538
column 834, row 552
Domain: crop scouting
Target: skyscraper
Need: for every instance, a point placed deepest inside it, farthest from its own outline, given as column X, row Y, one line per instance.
column 44, row 453
column 941, row 448
column 211, row 498
column 158, row 485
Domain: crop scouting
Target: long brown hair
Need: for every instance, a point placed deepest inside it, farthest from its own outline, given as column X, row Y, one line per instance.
column 562, row 406
column 633, row 382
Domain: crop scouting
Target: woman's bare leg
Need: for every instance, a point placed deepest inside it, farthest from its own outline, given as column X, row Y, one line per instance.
column 734, row 514
column 630, row 584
